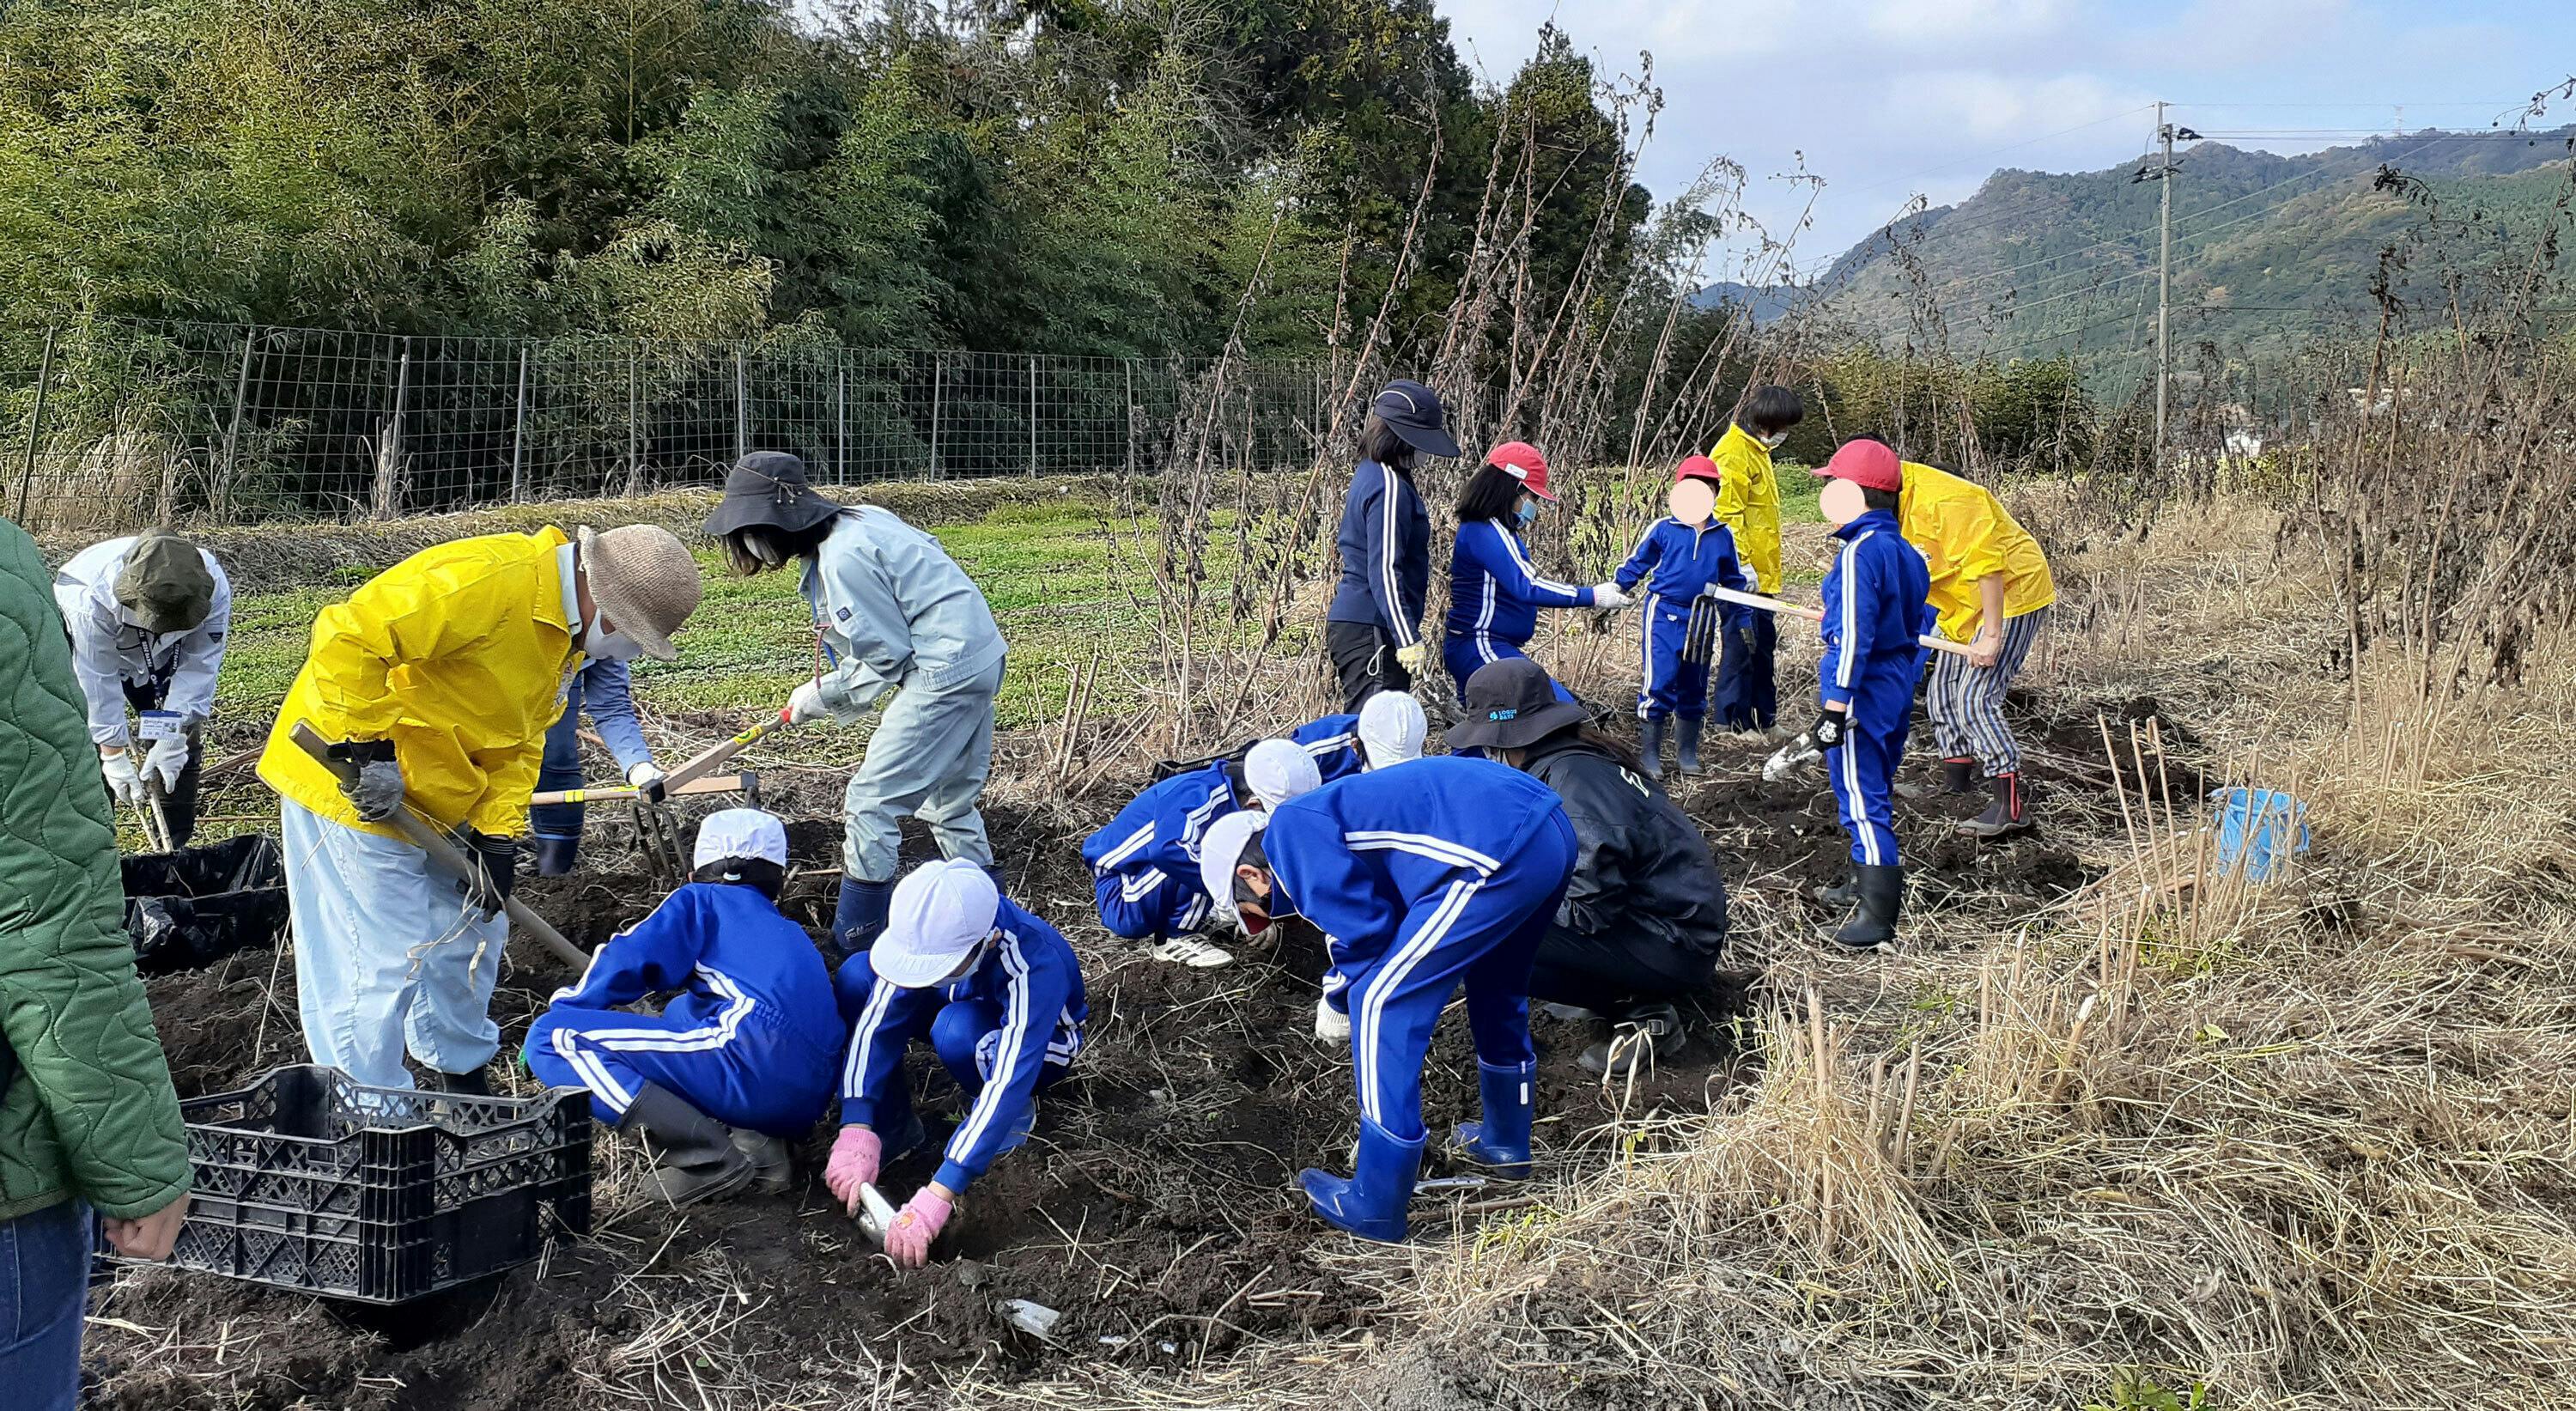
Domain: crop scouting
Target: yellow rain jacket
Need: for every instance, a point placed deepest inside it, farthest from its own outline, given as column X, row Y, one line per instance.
column 1965, row 534
column 458, row 655
column 1748, row 501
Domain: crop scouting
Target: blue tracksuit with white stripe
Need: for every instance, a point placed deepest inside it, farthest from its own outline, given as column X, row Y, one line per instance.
column 1385, row 542
column 1494, row 598
column 1445, row 871
column 1145, row 864
column 1676, row 560
column 1875, row 606
column 1333, row 742
column 752, row 1039
column 1005, row 1032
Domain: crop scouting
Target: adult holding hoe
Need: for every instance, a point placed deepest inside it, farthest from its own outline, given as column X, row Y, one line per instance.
column 1374, row 630
column 89, row 1126
column 148, row 614
column 891, row 610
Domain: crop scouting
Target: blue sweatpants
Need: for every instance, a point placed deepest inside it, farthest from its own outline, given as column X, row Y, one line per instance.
column 1746, row 698
column 1672, row 686
column 1863, row 771
column 742, row 1070
column 1464, row 656
column 965, row 1034
column 1480, row 933
column 561, row 769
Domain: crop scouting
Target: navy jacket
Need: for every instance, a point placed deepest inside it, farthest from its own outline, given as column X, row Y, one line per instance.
column 1677, row 561
column 1386, row 555
column 1356, row 857
column 1876, row 603
column 1494, row 594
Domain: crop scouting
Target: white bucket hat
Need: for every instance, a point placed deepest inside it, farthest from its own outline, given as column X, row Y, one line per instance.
column 1280, row 770
column 1391, row 729
column 1220, row 849
column 939, row 914
column 741, row 832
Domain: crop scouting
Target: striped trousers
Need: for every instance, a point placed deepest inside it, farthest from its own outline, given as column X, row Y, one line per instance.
column 1967, row 701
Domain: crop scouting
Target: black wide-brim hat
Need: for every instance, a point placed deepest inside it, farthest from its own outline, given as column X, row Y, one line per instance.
column 769, row 488
column 1511, row 704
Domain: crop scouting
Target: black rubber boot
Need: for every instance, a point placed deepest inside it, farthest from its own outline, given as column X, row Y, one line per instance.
column 1959, row 776
column 2004, row 815
column 1642, row 1034
column 555, row 855
column 1650, row 743
column 1882, row 896
column 694, row 1155
column 1842, row 895
column 475, row 1084
column 771, row 1171
column 1686, row 751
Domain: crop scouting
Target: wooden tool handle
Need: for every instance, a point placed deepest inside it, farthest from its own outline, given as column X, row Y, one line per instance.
column 620, row 793
column 1756, row 600
column 446, row 854
column 700, row 765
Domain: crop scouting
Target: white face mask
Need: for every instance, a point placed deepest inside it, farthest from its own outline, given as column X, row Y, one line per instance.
column 1772, row 442
column 610, row 646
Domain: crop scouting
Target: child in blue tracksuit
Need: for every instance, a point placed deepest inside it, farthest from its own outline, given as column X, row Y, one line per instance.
column 998, row 995
column 1494, row 594
column 1144, row 865
column 1876, row 605
column 1676, row 561
column 1373, row 631
column 746, row 1050
column 1441, row 873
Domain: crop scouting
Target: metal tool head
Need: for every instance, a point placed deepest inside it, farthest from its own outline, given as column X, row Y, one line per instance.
column 876, row 1214
column 1791, row 757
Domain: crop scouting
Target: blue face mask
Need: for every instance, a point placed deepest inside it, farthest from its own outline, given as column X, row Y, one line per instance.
column 1527, row 513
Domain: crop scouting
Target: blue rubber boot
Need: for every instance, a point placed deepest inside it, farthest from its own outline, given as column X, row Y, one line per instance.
column 555, row 855
column 860, row 916
column 1501, row 1142
column 1371, row 1203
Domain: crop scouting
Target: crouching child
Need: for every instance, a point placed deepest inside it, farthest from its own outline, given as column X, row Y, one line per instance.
column 745, row 1051
column 996, row 993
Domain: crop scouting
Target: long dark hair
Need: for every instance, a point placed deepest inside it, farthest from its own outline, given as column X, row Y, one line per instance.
column 1378, row 442
column 744, row 548
column 1490, row 495
column 1616, row 749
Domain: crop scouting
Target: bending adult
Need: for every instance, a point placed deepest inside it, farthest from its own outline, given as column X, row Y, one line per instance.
column 1374, row 630
column 148, row 614
column 891, row 610
column 438, row 679
column 1644, row 914
column 1494, row 594
column 89, row 1127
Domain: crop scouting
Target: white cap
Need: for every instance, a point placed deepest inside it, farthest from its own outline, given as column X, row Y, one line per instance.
column 1220, row 849
column 741, row 832
column 939, row 913
column 1280, row 770
column 1391, row 729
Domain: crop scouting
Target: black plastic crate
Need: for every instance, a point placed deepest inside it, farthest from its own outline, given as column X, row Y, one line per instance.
column 193, row 907
column 308, row 1181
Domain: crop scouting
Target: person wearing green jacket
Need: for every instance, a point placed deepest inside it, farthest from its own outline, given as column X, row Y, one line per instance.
column 88, row 1121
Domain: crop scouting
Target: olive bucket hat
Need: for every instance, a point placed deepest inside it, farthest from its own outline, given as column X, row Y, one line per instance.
column 769, row 488
column 164, row 584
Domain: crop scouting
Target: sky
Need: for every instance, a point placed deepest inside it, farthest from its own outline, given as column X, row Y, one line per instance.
column 1888, row 98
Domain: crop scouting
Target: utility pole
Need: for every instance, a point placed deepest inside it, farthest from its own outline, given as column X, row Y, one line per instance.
column 2164, row 283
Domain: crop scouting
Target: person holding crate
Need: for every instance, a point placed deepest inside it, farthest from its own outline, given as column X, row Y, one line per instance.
column 997, row 994
column 1746, row 697
column 1681, row 555
column 148, row 614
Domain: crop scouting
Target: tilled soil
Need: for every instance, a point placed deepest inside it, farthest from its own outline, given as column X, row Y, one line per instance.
column 1154, row 1208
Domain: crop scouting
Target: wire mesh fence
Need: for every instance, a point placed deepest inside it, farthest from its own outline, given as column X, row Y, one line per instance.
column 112, row 424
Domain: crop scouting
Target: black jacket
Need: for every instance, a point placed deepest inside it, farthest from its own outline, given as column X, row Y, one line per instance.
column 1641, row 867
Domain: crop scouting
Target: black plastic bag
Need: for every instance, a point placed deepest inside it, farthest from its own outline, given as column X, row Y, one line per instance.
column 190, row 908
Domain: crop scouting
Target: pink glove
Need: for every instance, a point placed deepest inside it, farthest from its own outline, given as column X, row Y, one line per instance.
column 923, row 1217
column 855, row 1154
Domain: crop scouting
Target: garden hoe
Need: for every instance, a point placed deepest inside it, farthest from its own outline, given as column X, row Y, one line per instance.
column 1802, row 751
column 876, row 1214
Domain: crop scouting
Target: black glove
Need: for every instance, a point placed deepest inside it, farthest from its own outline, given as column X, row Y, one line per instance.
column 496, row 871
column 1827, row 732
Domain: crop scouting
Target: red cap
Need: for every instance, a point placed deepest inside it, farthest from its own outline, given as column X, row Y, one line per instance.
column 1696, row 468
column 1867, row 464
column 1522, row 462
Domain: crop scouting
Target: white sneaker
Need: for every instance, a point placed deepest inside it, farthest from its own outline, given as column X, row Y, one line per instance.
column 1193, row 952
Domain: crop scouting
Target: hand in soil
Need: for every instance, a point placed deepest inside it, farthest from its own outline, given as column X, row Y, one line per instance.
column 908, row 1243
column 149, row 1237
column 856, row 1153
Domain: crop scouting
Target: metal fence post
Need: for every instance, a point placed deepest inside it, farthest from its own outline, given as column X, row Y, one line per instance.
column 634, row 426
column 241, row 398
column 938, row 387
column 519, row 437
column 741, row 406
column 389, row 454
column 840, row 416
column 1130, row 365
column 36, row 422
column 1033, row 415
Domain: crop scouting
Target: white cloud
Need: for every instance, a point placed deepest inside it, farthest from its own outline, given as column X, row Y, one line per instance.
column 1984, row 106
column 1964, row 21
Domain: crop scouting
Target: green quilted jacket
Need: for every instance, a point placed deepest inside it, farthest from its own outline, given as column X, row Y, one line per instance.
column 90, row 1112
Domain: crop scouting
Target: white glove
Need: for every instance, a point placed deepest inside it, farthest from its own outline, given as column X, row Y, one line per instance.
column 806, row 705
column 1607, row 595
column 647, row 777
column 1413, row 658
column 123, row 783
column 1331, row 1025
column 168, row 759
